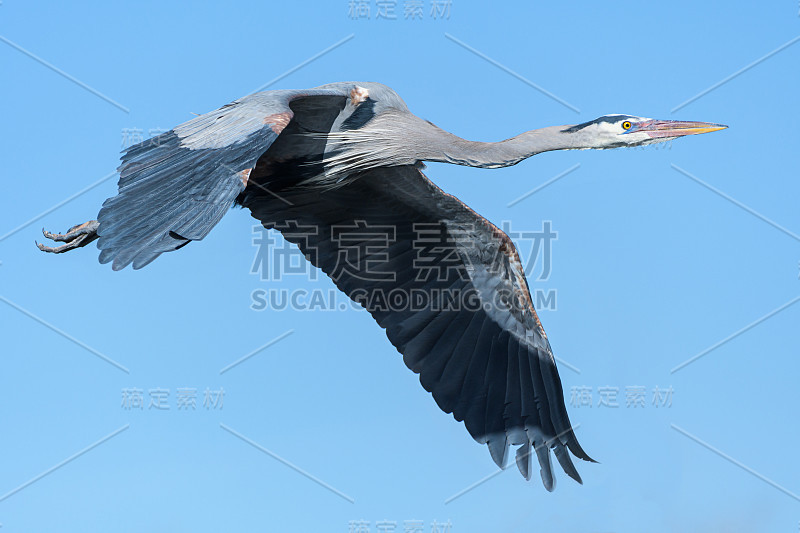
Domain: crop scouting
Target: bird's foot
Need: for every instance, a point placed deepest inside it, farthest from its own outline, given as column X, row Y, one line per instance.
column 76, row 237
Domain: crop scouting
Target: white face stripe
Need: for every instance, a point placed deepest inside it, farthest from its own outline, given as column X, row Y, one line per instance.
column 607, row 132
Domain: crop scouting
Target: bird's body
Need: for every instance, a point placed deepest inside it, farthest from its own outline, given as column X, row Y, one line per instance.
column 337, row 170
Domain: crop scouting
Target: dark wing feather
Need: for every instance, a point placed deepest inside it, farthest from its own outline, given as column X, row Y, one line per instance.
column 485, row 359
column 174, row 188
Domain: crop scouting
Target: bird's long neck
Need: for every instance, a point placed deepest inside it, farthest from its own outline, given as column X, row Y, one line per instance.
column 400, row 138
column 441, row 146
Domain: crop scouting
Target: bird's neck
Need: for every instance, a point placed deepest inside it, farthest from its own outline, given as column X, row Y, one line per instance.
column 400, row 138
column 441, row 146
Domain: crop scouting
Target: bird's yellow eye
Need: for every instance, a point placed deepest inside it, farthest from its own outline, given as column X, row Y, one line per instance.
column 626, row 125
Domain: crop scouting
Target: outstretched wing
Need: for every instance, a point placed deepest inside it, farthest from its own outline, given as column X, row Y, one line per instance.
column 174, row 188
column 450, row 291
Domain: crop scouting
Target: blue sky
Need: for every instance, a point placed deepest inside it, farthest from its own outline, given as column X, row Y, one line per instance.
column 652, row 266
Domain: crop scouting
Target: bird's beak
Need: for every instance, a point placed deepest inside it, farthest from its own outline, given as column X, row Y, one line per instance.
column 675, row 128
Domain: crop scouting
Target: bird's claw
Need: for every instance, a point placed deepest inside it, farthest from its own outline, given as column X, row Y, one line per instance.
column 76, row 237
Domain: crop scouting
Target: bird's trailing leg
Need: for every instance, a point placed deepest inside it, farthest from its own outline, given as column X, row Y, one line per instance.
column 76, row 237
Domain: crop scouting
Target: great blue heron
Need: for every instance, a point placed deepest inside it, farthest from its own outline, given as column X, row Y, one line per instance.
column 323, row 166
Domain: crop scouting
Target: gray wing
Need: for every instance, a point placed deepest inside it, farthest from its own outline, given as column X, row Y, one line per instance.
column 467, row 327
column 174, row 188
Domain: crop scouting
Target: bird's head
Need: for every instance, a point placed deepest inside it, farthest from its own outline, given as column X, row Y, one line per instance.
column 615, row 131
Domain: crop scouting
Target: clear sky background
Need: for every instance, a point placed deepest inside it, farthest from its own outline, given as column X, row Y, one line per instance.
column 651, row 268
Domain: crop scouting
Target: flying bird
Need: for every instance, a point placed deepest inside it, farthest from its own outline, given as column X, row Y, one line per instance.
column 337, row 170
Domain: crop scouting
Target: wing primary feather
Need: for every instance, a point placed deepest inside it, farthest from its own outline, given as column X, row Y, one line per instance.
column 498, row 448
column 560, row 419
column 495, row 383
column 512, row 411
column 451, row 382
column 442, row 351
column 524, row 459
column 472, row 406
column 546, row 465
column 566, row 463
